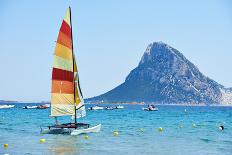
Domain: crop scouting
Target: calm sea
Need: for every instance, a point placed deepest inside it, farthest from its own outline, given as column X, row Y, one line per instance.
column 138, row 132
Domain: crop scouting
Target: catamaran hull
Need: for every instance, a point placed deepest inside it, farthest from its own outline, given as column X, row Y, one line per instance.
column 96, row 128
column 69, row 131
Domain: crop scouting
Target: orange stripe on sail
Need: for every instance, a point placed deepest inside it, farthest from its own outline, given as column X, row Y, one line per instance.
column 64, row 40
column 64, row 87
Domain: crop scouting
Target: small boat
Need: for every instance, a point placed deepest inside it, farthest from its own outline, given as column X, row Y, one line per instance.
column 30, row 107
column 66, row 95
column 45, row 106
column 42, row 107
column 6, row 106
column 96, row 108
column 109, row 108
column 119, row 107
column 150, row 108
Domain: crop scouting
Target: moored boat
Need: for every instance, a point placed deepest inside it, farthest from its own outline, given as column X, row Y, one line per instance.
column 96, row 108
column 109, row 108
column 150, row 108
column 119, row 107
column 45, row 106
column 30, row 107
column 6, row 106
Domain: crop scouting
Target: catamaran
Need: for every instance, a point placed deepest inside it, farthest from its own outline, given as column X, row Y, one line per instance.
column 66, row 95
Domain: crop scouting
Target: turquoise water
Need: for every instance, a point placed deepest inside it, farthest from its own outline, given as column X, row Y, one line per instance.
column 138, row 132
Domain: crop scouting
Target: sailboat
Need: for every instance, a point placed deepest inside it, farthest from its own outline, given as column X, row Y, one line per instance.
column 66, row 95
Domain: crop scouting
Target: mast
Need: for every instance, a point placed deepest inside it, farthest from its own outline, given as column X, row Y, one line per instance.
column 73, row 69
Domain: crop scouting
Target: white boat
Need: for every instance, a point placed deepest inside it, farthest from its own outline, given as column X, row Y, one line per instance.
column 6, row 106
column 30, row 107
column 109, row 108
column 66, row 95
column 96, row 108
column 120, row 107
column 150, row 108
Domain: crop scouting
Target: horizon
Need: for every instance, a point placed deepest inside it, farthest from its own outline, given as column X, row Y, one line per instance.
column 109, row 41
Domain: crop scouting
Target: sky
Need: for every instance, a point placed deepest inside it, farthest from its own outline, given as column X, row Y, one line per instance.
column 110, row 38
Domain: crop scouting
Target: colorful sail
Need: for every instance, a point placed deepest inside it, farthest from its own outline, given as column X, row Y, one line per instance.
column 80, row 107
column 65, row 91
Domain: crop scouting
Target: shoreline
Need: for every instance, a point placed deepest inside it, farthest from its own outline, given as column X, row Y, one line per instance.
column 159, row 104
column 128, row 103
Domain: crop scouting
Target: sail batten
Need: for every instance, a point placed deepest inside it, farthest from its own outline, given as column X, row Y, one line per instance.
column 65, row 97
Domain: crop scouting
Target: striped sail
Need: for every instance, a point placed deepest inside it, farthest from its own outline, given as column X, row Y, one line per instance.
column 64, row 73
column 80, row 107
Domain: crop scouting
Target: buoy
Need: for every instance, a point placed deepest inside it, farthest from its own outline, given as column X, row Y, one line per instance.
column 221, row 127
column 160, row 129
column 86, row 137
column 42, row 140
column 115, row 133
column 193, row 125
column 5, row 145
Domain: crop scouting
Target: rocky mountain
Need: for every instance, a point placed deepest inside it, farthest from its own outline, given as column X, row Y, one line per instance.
column 164, row 75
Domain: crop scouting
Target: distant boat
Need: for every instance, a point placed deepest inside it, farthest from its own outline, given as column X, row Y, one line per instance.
column 66, row 97
column 109, row 108
column 150, row 108
column 116, row 107
column 6, row 106
column 96, row 108
column 120, row 107
column 44, row 106
column 30, row 107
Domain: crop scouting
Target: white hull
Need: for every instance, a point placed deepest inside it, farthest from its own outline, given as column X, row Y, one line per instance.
column 30, row 107
column 119, row 107
column 96, row 128
column 73, row 132
column 96, row 108
column 150, row 109
column 6, row 106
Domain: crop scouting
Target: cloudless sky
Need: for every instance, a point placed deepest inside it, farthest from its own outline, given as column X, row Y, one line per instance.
column 109, row 40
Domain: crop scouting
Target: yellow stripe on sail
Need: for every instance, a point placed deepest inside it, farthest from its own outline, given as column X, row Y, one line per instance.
column 77, row 96
column 62, row 63
column 62, row 110
column 62, row 104
column 63, row 52
column 67, row 17
column 59, row 98
column 75, row 65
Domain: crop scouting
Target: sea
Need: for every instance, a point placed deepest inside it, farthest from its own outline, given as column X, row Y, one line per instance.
column 186, row 130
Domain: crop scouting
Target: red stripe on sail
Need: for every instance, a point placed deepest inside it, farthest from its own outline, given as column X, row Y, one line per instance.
column 65, row 28
column 63, row 75
column 64, row 40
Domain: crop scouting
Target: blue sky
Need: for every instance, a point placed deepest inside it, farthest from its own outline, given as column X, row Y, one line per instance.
column 109, row 40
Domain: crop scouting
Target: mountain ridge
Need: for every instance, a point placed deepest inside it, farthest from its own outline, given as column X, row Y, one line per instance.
column 165, row 75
